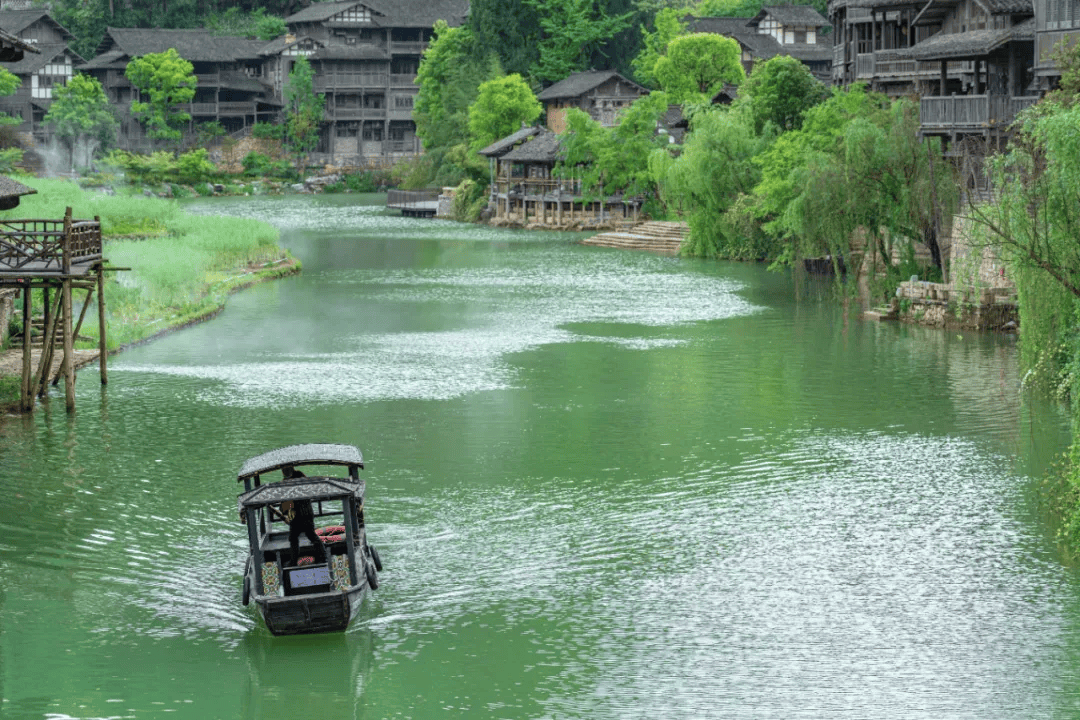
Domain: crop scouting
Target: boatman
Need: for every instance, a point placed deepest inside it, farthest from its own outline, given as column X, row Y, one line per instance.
column 301, row 519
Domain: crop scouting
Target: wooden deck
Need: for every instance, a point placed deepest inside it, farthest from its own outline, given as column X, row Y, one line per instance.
column 413, row 203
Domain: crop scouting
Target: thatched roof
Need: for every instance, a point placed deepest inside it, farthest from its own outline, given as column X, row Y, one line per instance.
column 11, row 191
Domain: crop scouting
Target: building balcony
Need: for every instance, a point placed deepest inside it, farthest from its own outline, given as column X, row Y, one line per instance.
column 958, row 112
column 407, row 47
column 333, row 82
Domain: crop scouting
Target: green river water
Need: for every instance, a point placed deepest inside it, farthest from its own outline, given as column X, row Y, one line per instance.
column 603, row 484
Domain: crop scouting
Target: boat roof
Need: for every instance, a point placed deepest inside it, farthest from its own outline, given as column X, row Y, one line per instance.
column 313, row 488
column 299, row 455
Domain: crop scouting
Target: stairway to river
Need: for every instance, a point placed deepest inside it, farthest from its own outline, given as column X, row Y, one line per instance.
column 654, row 236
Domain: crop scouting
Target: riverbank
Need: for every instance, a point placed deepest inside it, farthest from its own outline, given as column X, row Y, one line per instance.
column 182, row 267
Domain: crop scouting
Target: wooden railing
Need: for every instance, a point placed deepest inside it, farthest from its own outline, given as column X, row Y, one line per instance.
column 410, row 198
column 339, row 80
column 50, row 246
column 407, row 47
column 971, row 110
column 538, row 186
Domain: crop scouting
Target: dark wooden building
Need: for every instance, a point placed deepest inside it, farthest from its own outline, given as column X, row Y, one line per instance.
column 1056, row 21
column 50, row 65
column 602, row 94
column 365, row 56
column 232, row 89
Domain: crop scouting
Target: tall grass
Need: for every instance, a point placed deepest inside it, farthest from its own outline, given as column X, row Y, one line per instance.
column 182, row 265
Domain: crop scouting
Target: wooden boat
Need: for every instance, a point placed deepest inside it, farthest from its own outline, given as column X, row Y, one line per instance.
column 299, row 595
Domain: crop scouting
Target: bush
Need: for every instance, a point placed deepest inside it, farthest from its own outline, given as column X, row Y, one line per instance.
column 9, row 159
column 257, row 164
column 268, row 131
column 195, row 166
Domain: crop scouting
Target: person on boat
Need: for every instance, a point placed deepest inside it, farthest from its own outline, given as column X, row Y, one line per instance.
column 301, row 519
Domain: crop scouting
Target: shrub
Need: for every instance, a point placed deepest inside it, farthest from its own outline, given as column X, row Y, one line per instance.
column 267, row 131
column 195, row 166
column 9, row 158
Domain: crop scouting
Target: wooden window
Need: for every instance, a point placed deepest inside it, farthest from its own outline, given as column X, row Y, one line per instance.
column 403, row 102
column 373, row 130
column 356, row 14
column 374, row 101
column 348, row 129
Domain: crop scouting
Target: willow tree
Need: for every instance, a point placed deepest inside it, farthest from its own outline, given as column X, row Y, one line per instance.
column 696, row 66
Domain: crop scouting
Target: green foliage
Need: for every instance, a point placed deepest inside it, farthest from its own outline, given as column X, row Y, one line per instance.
column 573, row 30
column 81, row 114
column 470, row 199
column 502, row 105
column 612, row 160
column 234, row 21
column 165, row 80
column 268, row 131
column 9, row 83
column 781, row 90
column 304, row 110
column 10, row 158
column 450, row 73
column 194, row 166
column 257, row 164
column 508, row 29
column 655, row 44
column 697, row 66
column 712, row 176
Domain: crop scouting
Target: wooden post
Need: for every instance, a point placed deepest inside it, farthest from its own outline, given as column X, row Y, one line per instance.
column 26, row 397
column 102, row 352
column 40, row 381
column 78, row 327
column 69, row 345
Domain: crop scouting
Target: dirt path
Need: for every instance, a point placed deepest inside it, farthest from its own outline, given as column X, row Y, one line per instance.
column 11, row 360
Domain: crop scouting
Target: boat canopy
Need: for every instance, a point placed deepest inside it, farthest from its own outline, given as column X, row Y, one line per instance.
column 298, row 455
column 315, row 488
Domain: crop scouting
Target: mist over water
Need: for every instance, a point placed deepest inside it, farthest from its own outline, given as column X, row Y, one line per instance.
column 603, row 485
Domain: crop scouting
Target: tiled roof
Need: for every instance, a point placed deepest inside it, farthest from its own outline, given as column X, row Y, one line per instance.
column 1012, row 7
column 193, row 45
column 33, row 62
column 114, row 59
column 12, row 48
column 971, row 44
column 542, row 147
column 390, row 13
column 761, row 46
column 799, row 15
column 501, row 147
column 15, row 21
column 581, row 83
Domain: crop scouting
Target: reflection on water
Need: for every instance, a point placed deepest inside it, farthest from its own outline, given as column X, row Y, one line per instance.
column 603, row 484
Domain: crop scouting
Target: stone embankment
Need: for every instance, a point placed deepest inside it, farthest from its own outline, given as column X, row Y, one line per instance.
column 654, row 236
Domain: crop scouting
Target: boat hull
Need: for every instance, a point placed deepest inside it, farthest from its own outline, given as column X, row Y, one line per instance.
column 308, row 614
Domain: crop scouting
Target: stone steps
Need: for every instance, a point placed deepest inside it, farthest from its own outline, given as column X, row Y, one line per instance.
column 653, row 236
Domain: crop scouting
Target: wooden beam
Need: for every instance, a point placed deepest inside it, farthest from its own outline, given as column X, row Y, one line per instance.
column 26, row 398
column 911, row 25
column 102, row 352
column 69, row 351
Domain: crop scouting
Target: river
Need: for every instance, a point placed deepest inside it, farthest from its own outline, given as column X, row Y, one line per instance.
column 603, row 484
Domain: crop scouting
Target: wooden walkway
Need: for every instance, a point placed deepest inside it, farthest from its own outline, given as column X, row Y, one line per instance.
column 655, row 236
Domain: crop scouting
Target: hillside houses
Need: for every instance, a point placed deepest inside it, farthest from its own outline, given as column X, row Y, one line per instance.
column 794, row 30
column 51, row 64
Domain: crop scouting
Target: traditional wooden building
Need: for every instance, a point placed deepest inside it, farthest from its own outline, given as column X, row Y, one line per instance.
column 231, row 88
column 1056, row 21
column 600, row 94
column 967, row 60
column 525, row 188
column 365, row 54
column 794, row 30
column 50, row 65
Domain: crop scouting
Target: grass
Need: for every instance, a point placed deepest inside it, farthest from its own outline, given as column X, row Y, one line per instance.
column 183, row 266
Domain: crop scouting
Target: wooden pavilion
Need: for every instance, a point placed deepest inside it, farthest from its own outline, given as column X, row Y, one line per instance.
column 57, row 257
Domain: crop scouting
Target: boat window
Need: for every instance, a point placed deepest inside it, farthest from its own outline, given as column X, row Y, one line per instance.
column 329, row 507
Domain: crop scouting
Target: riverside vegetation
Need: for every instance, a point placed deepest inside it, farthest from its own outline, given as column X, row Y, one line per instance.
column 183, row 266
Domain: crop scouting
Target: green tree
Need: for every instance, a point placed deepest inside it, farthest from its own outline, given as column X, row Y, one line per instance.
column 304, row 111
column 165, row 80
column 9, row 83
column 713, row 174
column 573, row 32
column 451, row 71
column 501, row 106
column 781, row 90
column 509, row 29
column 697, row 66
column 655, row 44
column 82, row 117
column 613, row 160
